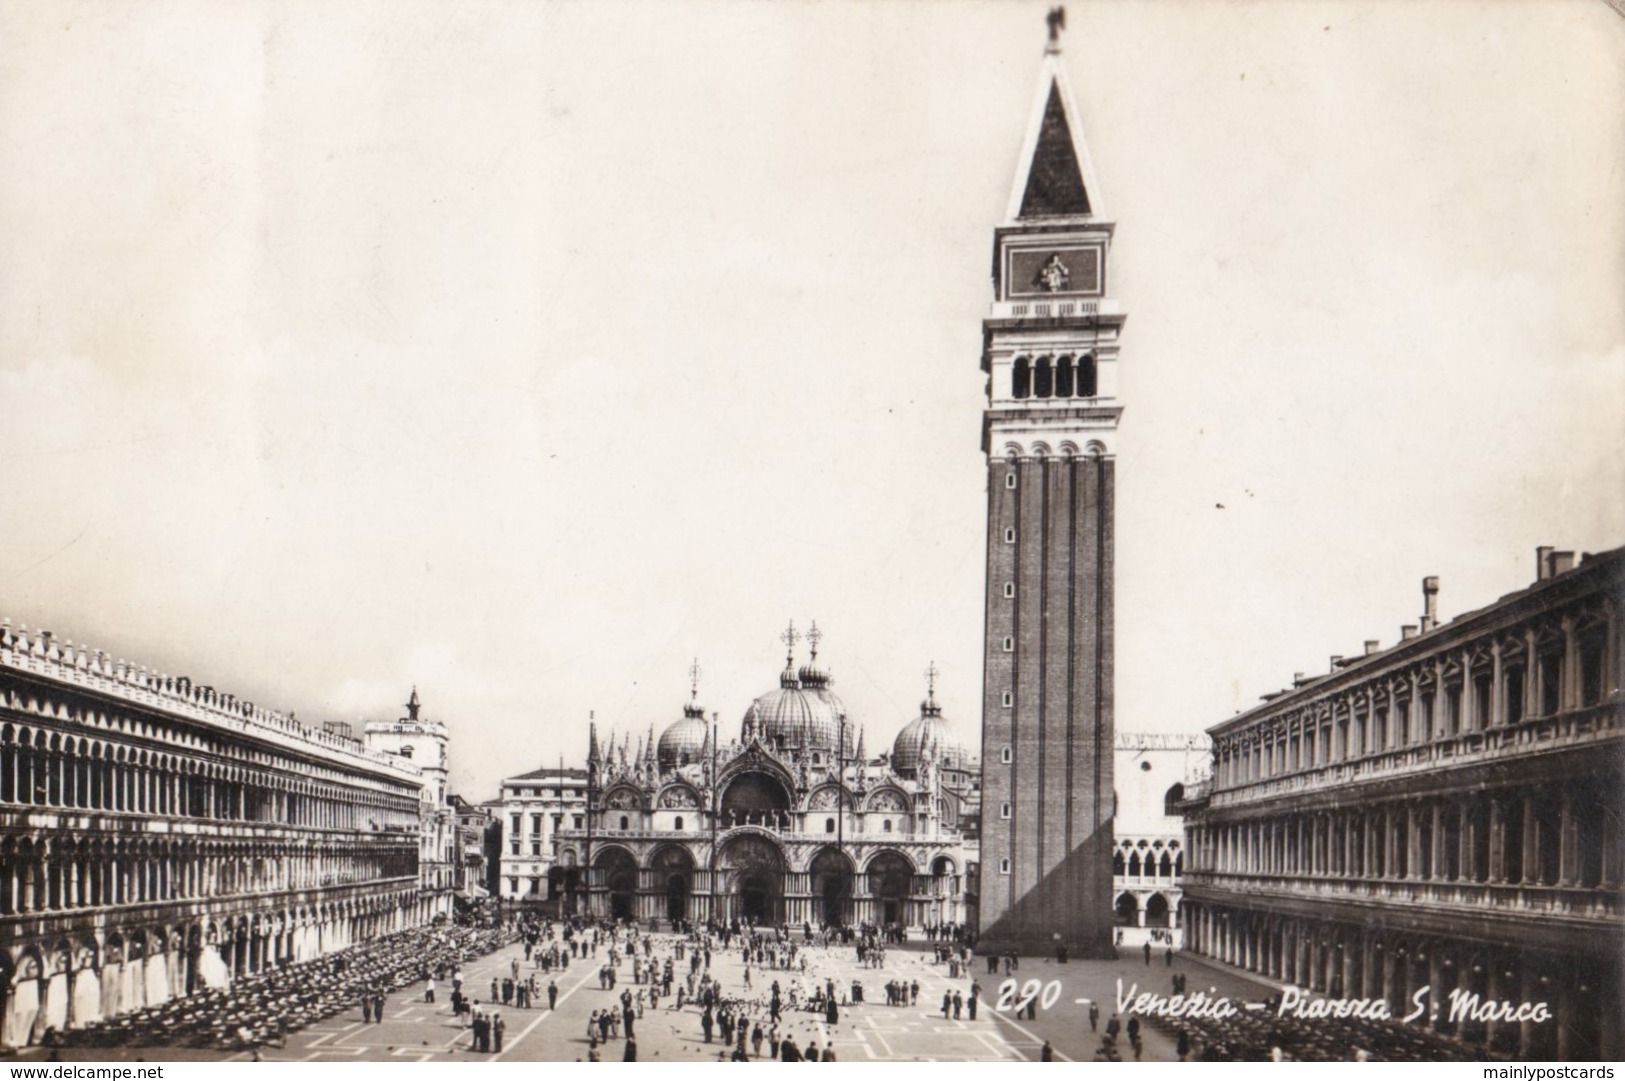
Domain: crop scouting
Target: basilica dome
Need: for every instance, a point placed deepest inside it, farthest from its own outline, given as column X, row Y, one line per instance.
column 802, row 713
column 683, row 742
column 926, row 736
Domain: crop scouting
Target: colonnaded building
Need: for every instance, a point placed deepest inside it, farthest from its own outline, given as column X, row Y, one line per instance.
column 158, row 836
column 789, row 821
column 1437, row 822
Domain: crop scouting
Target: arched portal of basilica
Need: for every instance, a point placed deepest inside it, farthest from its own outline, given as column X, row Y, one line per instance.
column 751, row 871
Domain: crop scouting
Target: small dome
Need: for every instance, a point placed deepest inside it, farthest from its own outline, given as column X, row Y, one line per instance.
column 926, row 735
column 683, row 742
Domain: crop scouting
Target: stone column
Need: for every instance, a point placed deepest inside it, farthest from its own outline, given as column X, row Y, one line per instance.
column 1498, row 712
column 1531, row 674
column 1498, row 837
column 1530, row 841
column 1469, row 694
column 1441, row 702
column 1568, row 868
column 1569, row 683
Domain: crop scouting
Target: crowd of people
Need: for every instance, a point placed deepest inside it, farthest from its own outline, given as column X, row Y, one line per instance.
column 262, row 1008
column 1264, row 1036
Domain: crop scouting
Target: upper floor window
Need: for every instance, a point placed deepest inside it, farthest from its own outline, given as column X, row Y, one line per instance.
column 625, row 822
column 1063, row 377
column 1004, row 754
column 678, row 825
column 1010, row 479
column 829, row 825
column 1593, row 644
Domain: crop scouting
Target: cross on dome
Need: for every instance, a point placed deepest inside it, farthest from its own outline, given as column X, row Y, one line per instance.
column 931, row 674
column 790, row 637
column 694, row 679
column 814, row 636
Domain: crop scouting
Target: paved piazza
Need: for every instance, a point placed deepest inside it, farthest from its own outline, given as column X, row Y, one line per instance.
column 872, row 1031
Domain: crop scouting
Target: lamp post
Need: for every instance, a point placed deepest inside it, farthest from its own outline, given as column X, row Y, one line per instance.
column 840, row 798
column 711, row 915
column 586, row 868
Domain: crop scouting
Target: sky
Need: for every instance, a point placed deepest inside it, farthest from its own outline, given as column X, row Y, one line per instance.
column 525, row 352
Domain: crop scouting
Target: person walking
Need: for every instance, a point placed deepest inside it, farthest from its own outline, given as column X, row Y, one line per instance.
column 428, row 990
column 1094, row 1016
column 1148, row 953
column 1047, row 1052
column 630, row 1054
column 552, row 994
column 498, row 1029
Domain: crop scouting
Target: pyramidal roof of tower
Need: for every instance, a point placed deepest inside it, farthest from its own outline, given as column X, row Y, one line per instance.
column 1055, row 177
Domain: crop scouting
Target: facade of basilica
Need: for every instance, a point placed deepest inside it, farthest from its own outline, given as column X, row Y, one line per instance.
column 789, row 821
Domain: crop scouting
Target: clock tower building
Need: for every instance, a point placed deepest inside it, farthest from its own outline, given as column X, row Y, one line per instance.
column 1050, row 347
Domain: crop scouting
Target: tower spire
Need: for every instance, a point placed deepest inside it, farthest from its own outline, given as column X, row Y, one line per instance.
column 1054, row 176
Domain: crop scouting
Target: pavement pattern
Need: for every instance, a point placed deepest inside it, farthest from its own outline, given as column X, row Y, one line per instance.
column 416, row 1031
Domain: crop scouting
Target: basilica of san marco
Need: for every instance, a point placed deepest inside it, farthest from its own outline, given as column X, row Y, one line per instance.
column 793, row 822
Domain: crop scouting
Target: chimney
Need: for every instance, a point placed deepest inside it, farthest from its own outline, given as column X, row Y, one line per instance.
column 1562, row 562
column 1372, row 645
column 1543, row 562
column 1407, row 632
column 1337, row 660
column 1297, row 679
column 1430, row 603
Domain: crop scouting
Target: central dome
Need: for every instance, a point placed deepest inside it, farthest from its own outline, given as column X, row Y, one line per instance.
column 801, row 714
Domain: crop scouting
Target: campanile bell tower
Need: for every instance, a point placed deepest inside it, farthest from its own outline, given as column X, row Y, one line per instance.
column 1050, row 434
